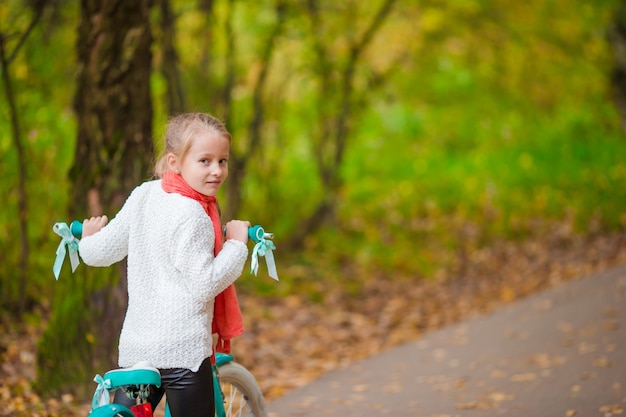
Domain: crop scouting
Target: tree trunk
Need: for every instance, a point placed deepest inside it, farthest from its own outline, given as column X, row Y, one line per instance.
column 113, row 154
column 169, row 62
column 618, row 78
column 6, row 58
column 337, row 107
column 22, row 207
column 240, row 160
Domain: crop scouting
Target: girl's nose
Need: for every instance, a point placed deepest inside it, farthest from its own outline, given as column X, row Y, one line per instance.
column 216, row 169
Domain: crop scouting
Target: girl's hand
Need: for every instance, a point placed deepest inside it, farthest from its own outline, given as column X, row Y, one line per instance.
column 238, row 230
column 93, row 225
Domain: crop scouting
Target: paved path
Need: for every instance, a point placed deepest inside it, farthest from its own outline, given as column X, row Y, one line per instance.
column 561, row 353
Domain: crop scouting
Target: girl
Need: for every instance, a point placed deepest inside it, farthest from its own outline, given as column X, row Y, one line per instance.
column 170, row 231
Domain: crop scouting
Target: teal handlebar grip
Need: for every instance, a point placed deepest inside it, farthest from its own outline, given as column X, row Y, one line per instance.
column 256, row 233
column 76, row 228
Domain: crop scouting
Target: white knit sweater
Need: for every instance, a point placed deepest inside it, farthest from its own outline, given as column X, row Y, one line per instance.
column 173, row 277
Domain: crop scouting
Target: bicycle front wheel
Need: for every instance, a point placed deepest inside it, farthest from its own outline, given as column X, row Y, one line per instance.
column 242, row 394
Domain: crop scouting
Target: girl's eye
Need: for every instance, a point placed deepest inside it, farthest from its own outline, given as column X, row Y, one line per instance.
column 223, row 161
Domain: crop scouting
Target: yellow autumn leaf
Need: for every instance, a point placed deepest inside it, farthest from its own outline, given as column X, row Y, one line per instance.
column 507, row 294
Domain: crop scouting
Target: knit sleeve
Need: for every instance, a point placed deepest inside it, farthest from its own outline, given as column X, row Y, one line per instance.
column 192, row 255
column 110, row 244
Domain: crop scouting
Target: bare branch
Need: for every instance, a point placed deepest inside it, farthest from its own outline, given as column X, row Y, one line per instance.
column 39, row 8
column 22, row 201
column 230, row 65
column 369, row 33
column 266, row 60
column 334, row 132
column 347, row 84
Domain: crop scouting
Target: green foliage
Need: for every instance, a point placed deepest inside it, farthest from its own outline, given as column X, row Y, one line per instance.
column 53, row 342
column 47, row 130
column 486, row 143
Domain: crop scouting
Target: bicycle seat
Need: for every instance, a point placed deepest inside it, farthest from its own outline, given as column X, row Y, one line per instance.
column 111, row 410
column 142, row 373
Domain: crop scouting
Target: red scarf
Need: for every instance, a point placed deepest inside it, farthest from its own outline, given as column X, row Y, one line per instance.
column 227, row 319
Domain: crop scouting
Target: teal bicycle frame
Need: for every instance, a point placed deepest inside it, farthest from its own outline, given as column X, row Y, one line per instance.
column 140, row 377
column 220, row 359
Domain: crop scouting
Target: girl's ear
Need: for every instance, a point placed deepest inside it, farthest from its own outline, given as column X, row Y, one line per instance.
column 172, row 162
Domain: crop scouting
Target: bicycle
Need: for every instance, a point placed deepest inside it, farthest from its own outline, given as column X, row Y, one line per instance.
column 236, row 391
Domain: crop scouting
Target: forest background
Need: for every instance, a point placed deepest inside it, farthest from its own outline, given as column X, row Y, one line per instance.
column 387, row 144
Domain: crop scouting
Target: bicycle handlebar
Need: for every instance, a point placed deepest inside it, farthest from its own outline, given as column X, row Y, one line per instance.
column 263, row 247
column 256, row 233
column 76, row 229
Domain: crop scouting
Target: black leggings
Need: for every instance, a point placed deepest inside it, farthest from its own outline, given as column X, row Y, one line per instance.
column 189, row 394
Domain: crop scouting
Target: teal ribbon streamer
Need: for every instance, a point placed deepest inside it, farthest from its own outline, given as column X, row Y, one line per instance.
column 101, row 396
column 69, row 241
column 264, row 248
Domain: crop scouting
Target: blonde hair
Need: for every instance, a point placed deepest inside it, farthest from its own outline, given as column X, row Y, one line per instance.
column 179, row 135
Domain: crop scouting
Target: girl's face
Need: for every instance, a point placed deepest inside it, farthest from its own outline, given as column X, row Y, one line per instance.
column 205, row 166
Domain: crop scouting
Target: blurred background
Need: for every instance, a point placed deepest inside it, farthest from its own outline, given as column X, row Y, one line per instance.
column 393, row 147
